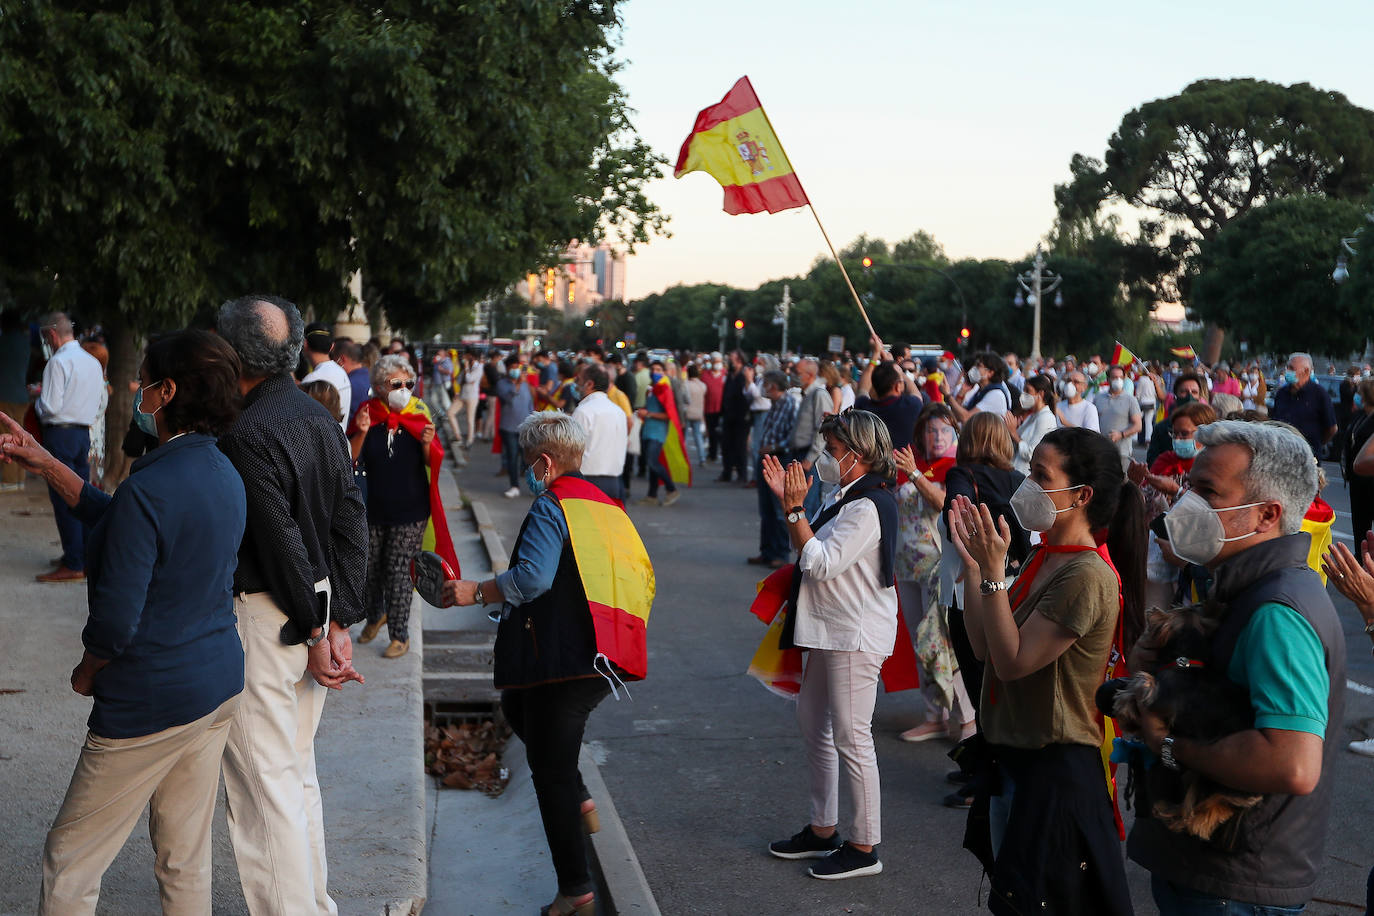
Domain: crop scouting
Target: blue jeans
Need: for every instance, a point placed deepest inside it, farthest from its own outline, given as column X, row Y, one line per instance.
column 1173, row 900
column 70, row 445
column 754, row 436
column 657, row 472
column 511, row 459
column 774, row 544
column 694, row 428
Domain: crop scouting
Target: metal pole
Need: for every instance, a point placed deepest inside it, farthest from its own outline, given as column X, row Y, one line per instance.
column 720, row 323
column 786, row 309
column 1036, row 292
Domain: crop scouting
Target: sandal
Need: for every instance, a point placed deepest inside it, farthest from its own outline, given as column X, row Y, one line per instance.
column 562, row 906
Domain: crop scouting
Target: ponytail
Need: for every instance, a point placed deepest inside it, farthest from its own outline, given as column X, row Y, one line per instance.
column 1126, row 542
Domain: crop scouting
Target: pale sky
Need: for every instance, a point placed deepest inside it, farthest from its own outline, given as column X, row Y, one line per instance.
column 954, row 117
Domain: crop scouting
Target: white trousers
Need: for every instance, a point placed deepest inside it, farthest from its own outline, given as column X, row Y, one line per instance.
column 835, row 711
column 276, row 819
column 175, row 773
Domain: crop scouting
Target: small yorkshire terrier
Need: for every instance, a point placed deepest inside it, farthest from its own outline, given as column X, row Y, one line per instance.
column 1196, row 701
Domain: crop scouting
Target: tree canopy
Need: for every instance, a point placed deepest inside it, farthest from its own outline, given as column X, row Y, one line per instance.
column 156, row 159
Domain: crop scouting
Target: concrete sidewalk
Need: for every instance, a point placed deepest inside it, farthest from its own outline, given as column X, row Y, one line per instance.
column 369, row 751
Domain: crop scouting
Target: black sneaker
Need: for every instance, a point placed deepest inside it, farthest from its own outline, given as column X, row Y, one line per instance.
column 846, row 862
column 961, row 799
column 959, row 777
column 805, row 845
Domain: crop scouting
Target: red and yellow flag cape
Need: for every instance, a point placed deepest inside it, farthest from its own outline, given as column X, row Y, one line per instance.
column 733, row 142
column 413, row 419
column 617, row 576
column 674, row 454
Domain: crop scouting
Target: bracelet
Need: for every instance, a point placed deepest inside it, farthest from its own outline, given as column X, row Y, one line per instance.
column 481, row 596
column 1369, row 628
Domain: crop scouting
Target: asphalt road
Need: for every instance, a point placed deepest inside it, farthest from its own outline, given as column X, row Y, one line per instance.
column 706, row 766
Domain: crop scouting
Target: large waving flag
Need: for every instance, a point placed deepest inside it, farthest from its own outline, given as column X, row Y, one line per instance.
column 413, row 418
column 733, row 142
column 1122, row 356
column 674, row 454
column 616, row 574
column 1184, row 352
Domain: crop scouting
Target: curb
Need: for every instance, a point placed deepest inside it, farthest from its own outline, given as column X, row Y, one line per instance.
column 613, row 857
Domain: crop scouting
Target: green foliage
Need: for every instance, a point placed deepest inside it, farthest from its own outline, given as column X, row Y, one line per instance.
column 157, row 158
column 1267, row 277
column 1220, row 147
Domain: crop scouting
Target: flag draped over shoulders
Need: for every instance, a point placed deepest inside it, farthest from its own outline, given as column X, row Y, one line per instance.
column 673, row 457
column 413, row 419
column 733, row 142
column 616, row 573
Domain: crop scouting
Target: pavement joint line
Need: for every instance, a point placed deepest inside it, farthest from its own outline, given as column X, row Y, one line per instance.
column 613, row 854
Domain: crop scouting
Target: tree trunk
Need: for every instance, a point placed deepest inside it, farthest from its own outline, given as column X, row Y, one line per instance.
column 1211, row 344
column 126, row 347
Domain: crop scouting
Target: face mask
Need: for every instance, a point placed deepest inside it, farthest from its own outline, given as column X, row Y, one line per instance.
column 515, row 373
column 1027, row 402
column 145, row 421
column 1117, row 385
column 975, row 375
column 1195, row 530
column 1093, row 369
column 536, row 484
column 1185, row 448
column 1183, row 399
column 1290, row 377
column 398, row 399
column 828, row 469
column 655, row 377
column 1033, row 507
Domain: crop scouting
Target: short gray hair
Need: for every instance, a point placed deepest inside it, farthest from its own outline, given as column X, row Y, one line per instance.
column 1281, row 470
column 384, row 367
column 555, row 434
column 59, row 322
column 245, row 323
column 777, row 378
column 864, row 434
column 1305, row 357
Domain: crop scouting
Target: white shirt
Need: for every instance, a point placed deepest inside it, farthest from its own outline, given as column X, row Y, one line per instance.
column 841, row 606
column 754, row 392
column 846, row 397
column 472, row 379
column 994, row 401
column 607, row 435
column 1083, row 414
column 1145, row 391
column 1032, row 431
column 331, row 372
column 72, row 383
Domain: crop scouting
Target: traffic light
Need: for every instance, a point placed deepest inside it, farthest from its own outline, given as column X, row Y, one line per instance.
column 963, row 334
column 867, row 262
column 739, row 324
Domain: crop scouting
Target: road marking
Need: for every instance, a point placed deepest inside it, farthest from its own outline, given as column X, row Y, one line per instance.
column 1359, row 688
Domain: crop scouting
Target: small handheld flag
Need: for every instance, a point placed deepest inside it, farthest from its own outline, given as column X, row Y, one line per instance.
column 1123, row 357
column 1183, row 352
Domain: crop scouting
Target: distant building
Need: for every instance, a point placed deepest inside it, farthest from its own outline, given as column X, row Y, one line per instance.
column 588, row 276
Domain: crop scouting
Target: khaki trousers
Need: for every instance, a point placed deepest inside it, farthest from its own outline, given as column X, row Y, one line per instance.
column 175, row 772
column 276, row 819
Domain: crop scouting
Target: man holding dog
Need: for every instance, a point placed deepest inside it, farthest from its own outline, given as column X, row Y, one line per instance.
column 1280, row 639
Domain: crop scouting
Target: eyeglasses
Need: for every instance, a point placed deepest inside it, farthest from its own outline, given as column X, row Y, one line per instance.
column 398, row 383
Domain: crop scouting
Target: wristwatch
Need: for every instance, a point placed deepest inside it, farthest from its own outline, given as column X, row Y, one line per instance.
column 989, row 586
column 1166, row 754
column 313, row 641
column 796, row 514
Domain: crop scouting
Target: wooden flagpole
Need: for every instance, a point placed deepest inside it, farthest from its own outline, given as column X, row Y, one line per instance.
column 819, row 225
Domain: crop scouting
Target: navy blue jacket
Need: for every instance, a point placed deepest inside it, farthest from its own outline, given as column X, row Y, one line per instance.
column 160, row 576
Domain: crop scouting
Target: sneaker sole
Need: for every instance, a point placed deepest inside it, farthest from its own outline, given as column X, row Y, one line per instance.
column 809, row 854
column 874, row 869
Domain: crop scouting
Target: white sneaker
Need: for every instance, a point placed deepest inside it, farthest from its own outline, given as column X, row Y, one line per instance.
column 511, row 493
column 1364, row 748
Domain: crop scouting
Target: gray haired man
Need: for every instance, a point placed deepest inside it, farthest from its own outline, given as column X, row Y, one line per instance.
column 1280, row 640
column 297, row 589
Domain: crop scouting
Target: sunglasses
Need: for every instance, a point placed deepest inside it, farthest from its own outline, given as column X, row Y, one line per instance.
column 398, row 383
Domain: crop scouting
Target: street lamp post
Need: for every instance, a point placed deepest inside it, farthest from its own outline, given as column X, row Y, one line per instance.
column 721, row 325
column 1038, row 282
column 780, row 317
column 1342, row 273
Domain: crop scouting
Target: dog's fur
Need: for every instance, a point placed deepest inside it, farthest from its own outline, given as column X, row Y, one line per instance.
column 1199, row 703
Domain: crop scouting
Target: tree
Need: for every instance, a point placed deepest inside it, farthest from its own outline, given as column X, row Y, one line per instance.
column 156, row 159
column 1267, row 276
column 1207, row 156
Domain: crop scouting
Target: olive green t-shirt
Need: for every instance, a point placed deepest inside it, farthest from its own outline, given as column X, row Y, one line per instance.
column 1055, row 704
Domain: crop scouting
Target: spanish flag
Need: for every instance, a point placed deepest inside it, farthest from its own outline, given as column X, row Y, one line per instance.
column 413, row 418
column 733, row 142
column 1184, row 352
column 616, row 574
column 1123, row 357
column 674, row 454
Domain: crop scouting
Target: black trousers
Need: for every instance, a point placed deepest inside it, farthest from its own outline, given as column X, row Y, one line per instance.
column 550, row 720
column 735, row 447
column 712, row 436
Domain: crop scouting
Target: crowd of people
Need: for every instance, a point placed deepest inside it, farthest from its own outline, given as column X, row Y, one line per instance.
column 887, row 487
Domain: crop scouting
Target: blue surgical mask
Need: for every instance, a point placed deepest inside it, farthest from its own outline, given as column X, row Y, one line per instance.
column 515, row 373
column 1290, row 377
column 1185, row 448
column 536, row 484
column 145, row 421
column 656, row 377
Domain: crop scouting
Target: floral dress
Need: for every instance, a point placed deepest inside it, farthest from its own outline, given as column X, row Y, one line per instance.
column 918, row 560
